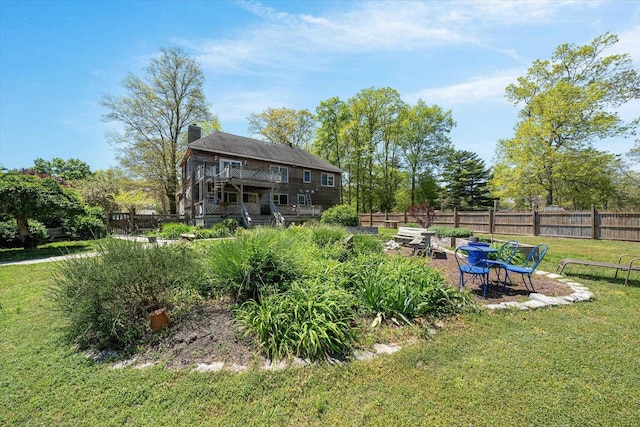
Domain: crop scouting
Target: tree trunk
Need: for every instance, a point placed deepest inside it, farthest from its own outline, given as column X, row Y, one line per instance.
column 172, row 187
column 28, row 241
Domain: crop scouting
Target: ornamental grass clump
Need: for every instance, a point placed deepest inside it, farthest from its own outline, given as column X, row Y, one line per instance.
column 107, row 299
column 255, row 265
column 404, row 288
column 311, row 320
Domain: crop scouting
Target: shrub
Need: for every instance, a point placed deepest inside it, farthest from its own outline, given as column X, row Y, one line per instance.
column 91, row 225
column 256, row 264
column 10, row 238
column 173, row 230
column 311, row 320
column 411, row 224
column 442, row 231
column 213, row 233
column 364, row 244
column 344, row 215
column 107, row 299
column 405, row 288
column 323, row 235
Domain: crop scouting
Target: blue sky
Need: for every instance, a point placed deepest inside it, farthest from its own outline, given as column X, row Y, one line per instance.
column 58, row 58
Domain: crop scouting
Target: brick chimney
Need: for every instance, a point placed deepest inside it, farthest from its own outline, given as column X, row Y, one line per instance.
column 194, row 133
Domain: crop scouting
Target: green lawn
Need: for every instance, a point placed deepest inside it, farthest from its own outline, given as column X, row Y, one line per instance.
column 576, row 365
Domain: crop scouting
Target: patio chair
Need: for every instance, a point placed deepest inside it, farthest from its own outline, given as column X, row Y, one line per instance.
column 473, row 269
column 526, row 270
column 504, row 256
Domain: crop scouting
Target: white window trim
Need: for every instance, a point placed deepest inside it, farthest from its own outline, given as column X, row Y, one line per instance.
column 333, row 179
column 302, row 199
column 278, row 196
column 303, row 176
column 280, row 169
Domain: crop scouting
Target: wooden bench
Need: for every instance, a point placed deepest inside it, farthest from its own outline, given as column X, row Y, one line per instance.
column 633, row 259
column 419, row 239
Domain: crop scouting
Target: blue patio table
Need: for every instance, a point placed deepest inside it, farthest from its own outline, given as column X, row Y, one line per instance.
column 474, row 264
column 477, row 253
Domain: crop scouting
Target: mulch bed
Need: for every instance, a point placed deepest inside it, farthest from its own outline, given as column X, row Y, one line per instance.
column 517, row 292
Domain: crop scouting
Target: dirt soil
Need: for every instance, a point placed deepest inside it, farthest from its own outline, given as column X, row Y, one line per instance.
column 208, row 334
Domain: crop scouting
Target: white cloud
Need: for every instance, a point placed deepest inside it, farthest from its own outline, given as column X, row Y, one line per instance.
column 629, row 42
column 284, row 39
column 478, row 89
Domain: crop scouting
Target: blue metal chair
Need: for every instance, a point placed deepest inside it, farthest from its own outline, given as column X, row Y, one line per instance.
column 504, row 256
column 469, row 266
column 526, row 270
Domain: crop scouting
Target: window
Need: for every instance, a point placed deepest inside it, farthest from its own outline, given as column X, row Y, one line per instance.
column 228, row 197
column 249, row 197
column 284, row 172
column 327, row 180
column 281, row 199
column 306, row 176
column 224, row 163
column 302, row 200
column 233, row 163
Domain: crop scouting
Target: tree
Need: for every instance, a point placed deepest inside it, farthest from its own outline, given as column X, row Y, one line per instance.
column 209, row 126
column 466, row 180
column 330, row 142
column 27, row 197
column 69, row 170
column 425, row 142
column 284, row 126
column 568, row 102
column 155, row 113
column 373, row 134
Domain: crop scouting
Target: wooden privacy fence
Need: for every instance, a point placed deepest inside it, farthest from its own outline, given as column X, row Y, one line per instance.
column 589, row 224
column 125, row 223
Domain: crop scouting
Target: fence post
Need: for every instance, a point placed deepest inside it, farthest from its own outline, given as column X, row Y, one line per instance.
column 534, row 222
column 455, row 218
column 490, row 220
column 594, row 223
column 370, row 218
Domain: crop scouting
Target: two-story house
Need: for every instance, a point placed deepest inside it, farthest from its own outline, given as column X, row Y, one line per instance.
column 255, row 182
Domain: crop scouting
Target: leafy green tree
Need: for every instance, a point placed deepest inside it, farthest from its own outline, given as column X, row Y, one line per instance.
column 373, row 134
column 465, row 179
column 425, row 142
column 155, row 114
column 568, row 102
column 25, row 197
column 69, row 170
column 330, row 142
column 284, row 126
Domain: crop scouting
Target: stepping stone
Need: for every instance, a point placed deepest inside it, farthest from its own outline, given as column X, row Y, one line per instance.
column 271, row 366
column 534, row 304
column 515, row 304
column 386, row 349
column 363, row 355
column 208, row 367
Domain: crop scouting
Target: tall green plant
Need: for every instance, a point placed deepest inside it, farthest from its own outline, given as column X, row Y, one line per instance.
column 256, row 264
column 107, row 299
column 311, row 320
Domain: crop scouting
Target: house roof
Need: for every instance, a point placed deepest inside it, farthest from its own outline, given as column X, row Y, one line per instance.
column 222, row 143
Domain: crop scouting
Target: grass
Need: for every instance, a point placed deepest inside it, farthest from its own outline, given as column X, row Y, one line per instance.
column 570, row 365
column 47, row 250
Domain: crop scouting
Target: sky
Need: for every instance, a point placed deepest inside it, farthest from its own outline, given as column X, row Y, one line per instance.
column 59, row 58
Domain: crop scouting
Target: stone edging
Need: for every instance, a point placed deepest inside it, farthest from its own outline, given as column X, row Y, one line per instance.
column 580, row 293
